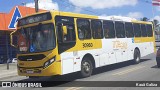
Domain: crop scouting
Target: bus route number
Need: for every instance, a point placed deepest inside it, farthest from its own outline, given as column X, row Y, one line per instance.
column 86, row 45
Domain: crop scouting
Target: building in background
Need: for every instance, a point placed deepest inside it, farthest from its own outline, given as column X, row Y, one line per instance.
column 8, row 25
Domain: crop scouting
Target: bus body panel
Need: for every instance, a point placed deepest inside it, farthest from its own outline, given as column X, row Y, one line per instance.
column 38, row 65
column 146, row 45
column 104, row 51
column 71, row 59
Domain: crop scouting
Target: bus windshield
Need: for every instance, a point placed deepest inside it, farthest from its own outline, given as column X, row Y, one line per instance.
column 36, row 39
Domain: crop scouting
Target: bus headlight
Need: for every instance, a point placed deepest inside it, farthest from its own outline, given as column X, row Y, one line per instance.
column 46, row 64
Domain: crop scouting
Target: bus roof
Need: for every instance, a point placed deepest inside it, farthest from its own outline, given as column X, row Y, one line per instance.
column 73, row 14
column 125, row 19
column 113, row 17
column 117, row 18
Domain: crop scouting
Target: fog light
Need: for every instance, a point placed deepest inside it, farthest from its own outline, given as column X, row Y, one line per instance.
column 52, row 60
column 46, row 64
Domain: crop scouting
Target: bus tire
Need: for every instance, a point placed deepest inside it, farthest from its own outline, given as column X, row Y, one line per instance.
column 137, row 56
column 86, row 67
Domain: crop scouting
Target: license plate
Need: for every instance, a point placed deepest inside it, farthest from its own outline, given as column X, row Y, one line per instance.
column 29, row 71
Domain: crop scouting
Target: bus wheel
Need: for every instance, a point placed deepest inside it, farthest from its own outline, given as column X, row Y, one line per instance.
column 86, row 67
column 137, row 56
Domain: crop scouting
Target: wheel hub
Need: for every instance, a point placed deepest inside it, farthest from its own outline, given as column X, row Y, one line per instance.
column 86, row 67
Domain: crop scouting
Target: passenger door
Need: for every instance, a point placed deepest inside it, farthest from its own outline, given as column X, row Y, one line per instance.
column 66, row 40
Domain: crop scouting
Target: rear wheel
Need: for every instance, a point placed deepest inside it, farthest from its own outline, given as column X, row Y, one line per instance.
column 86, row 67
column 137, row 56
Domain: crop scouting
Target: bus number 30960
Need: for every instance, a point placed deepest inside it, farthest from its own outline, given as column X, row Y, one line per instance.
column 86, row 45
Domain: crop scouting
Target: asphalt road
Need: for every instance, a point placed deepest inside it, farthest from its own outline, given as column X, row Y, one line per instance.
column 127, row 71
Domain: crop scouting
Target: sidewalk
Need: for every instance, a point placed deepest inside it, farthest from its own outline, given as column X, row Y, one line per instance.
column 12, row 72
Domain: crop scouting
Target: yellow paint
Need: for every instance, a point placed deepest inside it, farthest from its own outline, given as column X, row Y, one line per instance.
column 119, row 45
column 56, row 67
column 142, row 40
column 53, row 69
column 79, row 45
column 141, row 22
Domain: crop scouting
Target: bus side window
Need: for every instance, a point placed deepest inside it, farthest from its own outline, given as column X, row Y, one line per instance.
column 83, row 27
column 108, row 27
column 97, row 31
column 143, row 30
column 149, row 30
column 120, row 31
column 137, row 30
column 129, row 30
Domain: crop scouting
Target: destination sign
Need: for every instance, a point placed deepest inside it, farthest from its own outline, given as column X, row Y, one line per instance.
column 34, row 19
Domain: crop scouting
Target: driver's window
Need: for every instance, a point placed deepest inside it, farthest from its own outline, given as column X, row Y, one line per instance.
column 65, row 33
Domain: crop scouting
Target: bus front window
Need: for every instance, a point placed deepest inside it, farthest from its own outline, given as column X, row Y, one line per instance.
column 37, row 39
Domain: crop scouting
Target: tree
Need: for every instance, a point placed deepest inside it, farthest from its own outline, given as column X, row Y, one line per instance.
column 144, row 19
column 155, row 22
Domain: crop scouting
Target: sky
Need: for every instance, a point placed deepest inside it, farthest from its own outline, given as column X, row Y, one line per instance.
column 130, row 8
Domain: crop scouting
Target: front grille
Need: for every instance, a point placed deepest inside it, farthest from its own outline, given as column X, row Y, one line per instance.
column 31, row 57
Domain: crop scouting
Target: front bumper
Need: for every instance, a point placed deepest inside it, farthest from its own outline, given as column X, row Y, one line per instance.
column 53, row 69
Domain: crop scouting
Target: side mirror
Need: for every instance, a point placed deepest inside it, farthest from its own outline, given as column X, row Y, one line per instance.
column 62, row 33
column 12, row 39
column 64, row 30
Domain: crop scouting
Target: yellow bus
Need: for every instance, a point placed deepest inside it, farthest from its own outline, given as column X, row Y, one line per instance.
column 59, row 43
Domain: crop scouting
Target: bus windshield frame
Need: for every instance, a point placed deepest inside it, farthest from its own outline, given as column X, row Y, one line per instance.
column 35, row 39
